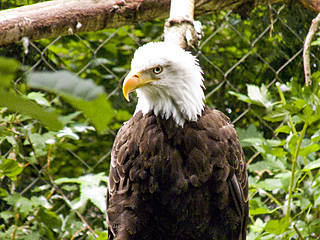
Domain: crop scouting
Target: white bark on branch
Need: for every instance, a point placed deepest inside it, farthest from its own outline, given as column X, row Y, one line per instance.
column 63, row 17
column 306, row 49
column 179, row 28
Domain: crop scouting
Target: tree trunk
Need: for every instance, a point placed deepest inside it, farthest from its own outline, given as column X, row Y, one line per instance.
column 65, row 17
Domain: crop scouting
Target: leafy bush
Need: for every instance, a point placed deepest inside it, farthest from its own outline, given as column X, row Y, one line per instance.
column 55, row 138
column 284, row 182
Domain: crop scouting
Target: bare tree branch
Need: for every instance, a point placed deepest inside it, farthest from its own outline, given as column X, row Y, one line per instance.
column 306, row 49
column 63, row 17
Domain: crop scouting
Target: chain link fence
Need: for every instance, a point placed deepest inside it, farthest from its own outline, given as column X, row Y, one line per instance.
column 271, row 21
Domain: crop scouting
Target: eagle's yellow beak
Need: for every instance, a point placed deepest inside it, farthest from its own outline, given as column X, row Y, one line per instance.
column 134, row 81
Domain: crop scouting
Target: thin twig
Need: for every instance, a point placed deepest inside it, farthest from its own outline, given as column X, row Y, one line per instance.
column 306, row 49
column 272, row 198
column 252, row 158
column 271, row 19
column 293, row 167
column 298, row 232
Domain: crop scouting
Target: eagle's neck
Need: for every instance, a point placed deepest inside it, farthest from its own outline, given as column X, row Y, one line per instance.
column 181, row 99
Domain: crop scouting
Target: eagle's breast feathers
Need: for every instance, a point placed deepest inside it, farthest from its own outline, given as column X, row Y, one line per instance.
column 160, row 172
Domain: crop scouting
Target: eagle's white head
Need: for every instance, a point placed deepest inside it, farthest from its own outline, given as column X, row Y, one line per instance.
column 168, row 80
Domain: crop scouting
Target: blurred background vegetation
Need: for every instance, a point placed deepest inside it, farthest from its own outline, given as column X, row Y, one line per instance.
column 55, row 141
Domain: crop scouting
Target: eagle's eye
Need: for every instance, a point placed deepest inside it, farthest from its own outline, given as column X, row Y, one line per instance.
column 157, row 70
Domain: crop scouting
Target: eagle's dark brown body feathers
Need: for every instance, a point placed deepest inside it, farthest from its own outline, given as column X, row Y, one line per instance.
column 172, row 182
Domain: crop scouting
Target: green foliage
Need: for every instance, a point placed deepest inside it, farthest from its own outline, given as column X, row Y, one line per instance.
column 65, row 83
column 10, row 168
column 256, row 95
column 82, row 94
column 57, row 128
column 16, row 103
column 90, row 189
column 8, row 69
column 29, row 149
column 284, row 182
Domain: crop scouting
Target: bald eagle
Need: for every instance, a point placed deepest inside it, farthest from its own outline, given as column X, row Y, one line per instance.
column 177, row 168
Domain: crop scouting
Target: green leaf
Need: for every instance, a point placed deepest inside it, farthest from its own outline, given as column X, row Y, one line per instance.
column 258, row 226
column 38, row 142
column 6, row 215
column 261, row 166
column 69, row 118
column 292, row 143
column 259, row 211
column 312, row 165
column 283, row 129
column 49, row 218
column 123, row 115
column 99, row 111
column 316, row 136
column 270, row 184
column 257, row 143
column 8, row 69
column 96, row 194
column 316, row 42
column 304, row 203
column 296, row 106
column 279, row 152
column 308, row 114
column 277, row 226
column 277, row 115
column 3, row 193
column 241, row 97
column 101, row 236
column 82, row 94
column 245, row 135
column 304, row 152
column 314, row 117
column 317, row 201
column 260, row 96
column 39, row 98
column 10, row 168
column 64, row 82
column 24, row 205
column 90, row 189
column 69, row 188
column 284, row 177
column 72, row 226
column 19, row 104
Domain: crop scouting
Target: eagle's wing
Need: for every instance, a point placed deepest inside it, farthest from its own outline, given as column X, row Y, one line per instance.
column 125, row 214
column 118, row 186
column 238, row 178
